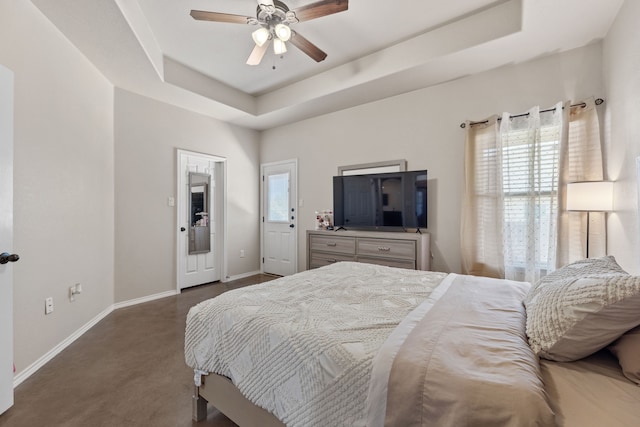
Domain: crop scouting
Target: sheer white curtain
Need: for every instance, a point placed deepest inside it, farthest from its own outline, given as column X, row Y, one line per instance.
column 514, row 224
column 528, row 162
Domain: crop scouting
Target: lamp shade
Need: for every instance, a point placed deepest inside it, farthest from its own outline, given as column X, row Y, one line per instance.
column 279, row 47
column 593, row 196
column 283, row 32
column 260, row 36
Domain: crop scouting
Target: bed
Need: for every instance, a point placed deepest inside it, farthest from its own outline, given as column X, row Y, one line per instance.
column 366, row 345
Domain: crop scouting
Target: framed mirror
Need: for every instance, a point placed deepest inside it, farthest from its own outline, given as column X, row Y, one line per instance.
column 377, row 167
column 199, row 208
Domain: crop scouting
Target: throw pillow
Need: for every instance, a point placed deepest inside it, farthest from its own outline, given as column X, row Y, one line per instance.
column 581, row 308
column 627, row 350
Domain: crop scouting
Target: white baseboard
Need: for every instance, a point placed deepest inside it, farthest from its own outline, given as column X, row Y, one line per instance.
column 21, row 376
column 31, row 369
column 241, row 276
column 137, row 301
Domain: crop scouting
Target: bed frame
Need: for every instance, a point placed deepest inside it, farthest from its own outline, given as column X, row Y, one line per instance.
column 225, row 397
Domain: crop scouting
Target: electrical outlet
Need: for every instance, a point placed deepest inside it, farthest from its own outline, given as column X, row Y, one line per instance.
column 48, row 305
column 241, row 253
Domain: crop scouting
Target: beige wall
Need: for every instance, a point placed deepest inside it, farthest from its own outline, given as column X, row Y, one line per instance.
column 63, row 198
column 67, row 120
column 423, row 127
column 621, row 62
column 147, row 134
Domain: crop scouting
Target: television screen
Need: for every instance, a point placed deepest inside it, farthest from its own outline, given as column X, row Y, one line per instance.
column 389, row 200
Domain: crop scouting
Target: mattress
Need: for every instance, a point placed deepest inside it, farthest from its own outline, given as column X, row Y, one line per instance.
column 591, row 392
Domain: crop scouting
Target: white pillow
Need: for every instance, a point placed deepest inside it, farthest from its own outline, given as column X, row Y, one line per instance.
column 627, row 350
column 581, row 308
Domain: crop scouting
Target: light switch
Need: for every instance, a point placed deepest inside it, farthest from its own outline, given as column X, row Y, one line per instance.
column 171, row 201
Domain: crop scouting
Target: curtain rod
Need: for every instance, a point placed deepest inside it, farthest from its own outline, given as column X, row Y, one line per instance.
column 581, row 104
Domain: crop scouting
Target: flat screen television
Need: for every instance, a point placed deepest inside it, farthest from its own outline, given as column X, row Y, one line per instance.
column 395, row 200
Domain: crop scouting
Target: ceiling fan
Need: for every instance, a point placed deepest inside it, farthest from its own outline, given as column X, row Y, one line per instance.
column 274, row 19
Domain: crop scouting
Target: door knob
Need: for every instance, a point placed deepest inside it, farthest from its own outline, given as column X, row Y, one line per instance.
column 6, row 257
column 182, row 228
column 291, row 225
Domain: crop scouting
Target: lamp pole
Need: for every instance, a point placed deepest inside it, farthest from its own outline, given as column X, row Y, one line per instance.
column 588, row 221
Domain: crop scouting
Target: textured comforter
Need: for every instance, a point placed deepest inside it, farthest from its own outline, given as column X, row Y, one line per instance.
column 337, row 345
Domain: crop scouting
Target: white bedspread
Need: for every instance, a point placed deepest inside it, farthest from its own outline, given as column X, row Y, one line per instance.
column 303, row 348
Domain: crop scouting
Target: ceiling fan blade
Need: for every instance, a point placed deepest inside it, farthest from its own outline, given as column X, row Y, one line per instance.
column 257, row 53
column 320, row 9
column 307, row 47
column 202, row 15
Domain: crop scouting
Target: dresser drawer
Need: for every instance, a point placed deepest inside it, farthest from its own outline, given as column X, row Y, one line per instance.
column 320, row 259
column 341, row 245
column 389, row 262
column 395, row 249
column 387, row 248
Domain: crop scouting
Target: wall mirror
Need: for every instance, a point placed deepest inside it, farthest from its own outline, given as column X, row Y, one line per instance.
column 199, row 208
column 377, row 167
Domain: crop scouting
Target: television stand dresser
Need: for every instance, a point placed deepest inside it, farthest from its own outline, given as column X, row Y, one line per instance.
column 393, row 249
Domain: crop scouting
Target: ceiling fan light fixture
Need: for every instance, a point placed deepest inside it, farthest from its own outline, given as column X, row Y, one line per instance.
column 260, row 36
column 279, row 47
column 283, row 32
column 273, row 19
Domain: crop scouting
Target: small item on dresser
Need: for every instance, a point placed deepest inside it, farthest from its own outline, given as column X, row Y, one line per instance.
column 324, row 220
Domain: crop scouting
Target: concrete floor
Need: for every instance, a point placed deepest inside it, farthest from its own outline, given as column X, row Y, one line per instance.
column 128, row 370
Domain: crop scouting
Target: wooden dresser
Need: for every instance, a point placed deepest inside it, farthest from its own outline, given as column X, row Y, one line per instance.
column 405, row 250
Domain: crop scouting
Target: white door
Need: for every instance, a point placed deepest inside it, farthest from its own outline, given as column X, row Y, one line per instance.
column 6, row 239
column 196, row 266
column 279, row 218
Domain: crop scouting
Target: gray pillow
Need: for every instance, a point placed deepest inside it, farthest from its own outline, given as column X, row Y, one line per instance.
column 627, row 350
column 581, row 308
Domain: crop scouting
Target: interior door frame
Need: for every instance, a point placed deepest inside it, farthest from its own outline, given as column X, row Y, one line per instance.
column 221, row 187
column 7, row 376
column 262, row 212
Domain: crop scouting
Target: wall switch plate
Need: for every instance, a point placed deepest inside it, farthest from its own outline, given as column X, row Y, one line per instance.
column 74, row 290
column 171, row 201
column 48, row 305
column 241, row 253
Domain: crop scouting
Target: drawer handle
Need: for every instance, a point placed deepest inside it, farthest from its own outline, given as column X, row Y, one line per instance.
column 331, row 244
column 384, row 249
column 332, row 260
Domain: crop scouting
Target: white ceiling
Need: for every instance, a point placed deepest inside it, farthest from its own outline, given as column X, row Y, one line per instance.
column 376, row 49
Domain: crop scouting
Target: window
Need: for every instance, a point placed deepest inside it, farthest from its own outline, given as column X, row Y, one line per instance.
column 510, row 206
column 514, row 220
column 278, row 197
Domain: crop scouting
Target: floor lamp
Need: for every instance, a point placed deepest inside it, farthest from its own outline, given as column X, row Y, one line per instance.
column 590, row 196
